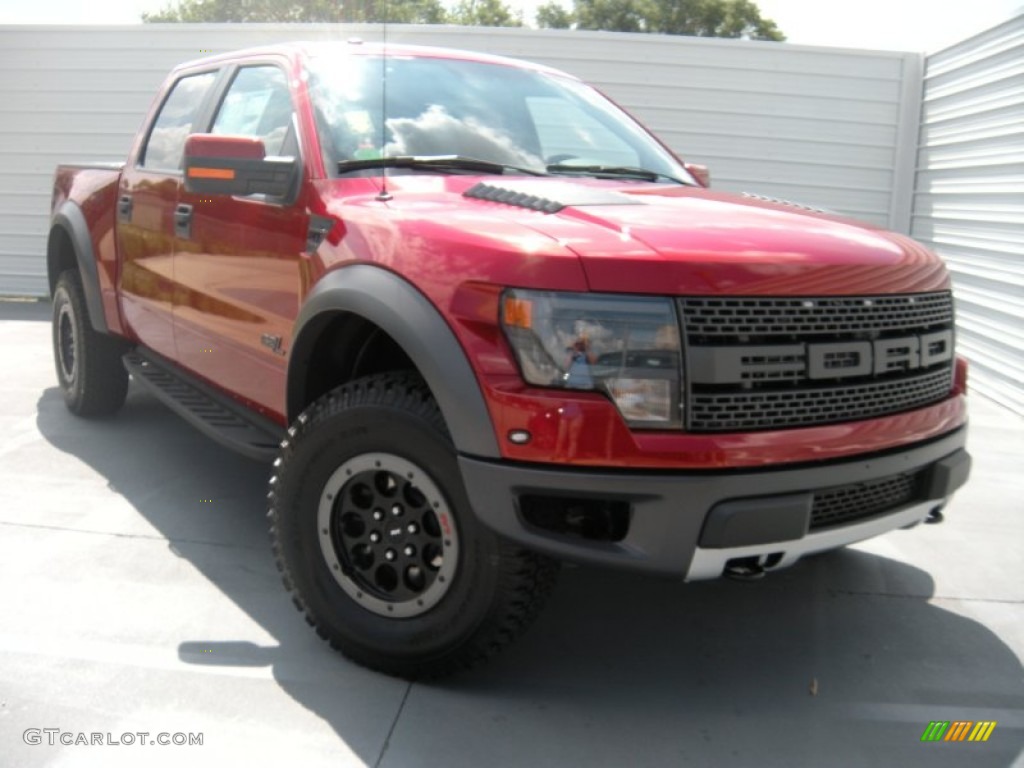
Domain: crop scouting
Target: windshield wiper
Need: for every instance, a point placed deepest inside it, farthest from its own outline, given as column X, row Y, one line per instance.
column 441, row 163
column 613, row 172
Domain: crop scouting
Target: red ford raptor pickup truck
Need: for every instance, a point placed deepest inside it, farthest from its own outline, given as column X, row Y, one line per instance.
column 482, row 321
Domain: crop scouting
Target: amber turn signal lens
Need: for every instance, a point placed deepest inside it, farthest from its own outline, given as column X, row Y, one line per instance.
column 518, row 313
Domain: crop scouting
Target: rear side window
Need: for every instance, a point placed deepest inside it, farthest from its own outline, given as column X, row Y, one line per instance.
column 258, row 105
column 173, row 124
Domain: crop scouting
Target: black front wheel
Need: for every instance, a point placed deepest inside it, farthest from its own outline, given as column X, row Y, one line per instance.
column 375, row 537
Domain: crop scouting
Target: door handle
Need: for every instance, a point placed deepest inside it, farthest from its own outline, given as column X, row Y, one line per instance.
column 183, row 221
column 124, row 208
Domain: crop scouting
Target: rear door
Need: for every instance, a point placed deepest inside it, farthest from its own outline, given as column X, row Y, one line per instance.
column 147, row 196
column 237, row 268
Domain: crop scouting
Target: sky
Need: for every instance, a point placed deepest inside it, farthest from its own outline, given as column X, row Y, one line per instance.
column 906, row 25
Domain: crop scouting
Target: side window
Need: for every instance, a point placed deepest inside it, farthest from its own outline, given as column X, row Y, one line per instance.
column 567, row 133
column 257, row 105
column 166, row 143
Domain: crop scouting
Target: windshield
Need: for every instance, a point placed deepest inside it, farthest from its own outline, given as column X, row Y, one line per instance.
column 491, row 112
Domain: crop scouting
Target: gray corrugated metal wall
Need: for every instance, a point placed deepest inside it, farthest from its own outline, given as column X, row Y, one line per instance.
column 969, row 204
column 832, row 127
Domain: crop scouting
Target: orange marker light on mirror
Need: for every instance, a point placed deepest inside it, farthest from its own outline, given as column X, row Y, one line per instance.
column 211, row 173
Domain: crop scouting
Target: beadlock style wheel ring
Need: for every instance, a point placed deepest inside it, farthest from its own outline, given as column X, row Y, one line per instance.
column 387, row 535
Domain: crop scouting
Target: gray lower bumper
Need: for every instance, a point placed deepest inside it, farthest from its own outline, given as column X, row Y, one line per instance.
column 709, row 563
column 670, row 511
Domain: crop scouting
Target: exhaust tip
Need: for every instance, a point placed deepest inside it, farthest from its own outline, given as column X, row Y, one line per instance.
column 935, row 516
column 744, row 569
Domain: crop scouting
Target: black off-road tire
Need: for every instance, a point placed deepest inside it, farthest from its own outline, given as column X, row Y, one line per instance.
column 89, row 369
column 379, row 444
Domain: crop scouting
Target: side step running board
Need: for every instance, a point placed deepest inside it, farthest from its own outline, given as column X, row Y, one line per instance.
column 212, row 413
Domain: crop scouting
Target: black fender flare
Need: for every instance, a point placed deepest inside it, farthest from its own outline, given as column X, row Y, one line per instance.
column 69, row 218
column 408, row 317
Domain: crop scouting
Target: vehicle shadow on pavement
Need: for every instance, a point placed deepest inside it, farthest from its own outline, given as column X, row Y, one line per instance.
column 839, row 660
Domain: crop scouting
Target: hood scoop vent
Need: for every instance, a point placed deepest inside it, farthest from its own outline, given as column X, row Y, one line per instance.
column 547, row 196
column 507, row 196
column 787, row 203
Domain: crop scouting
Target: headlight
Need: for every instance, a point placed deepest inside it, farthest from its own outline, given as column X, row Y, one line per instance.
column 626, row 347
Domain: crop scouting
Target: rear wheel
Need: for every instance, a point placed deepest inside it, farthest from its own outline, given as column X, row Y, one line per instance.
column 375, row 538
column 89, row 368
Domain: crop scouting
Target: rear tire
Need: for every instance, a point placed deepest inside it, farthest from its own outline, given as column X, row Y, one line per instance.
column 375, row 538
column 89, row 369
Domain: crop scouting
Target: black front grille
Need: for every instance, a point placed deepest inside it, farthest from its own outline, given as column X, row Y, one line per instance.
column 776, row 363
column 849, row 503
column 807, row 407
column 755, row 317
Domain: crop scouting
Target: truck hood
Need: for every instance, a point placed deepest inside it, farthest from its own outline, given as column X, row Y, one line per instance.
column 659, row 239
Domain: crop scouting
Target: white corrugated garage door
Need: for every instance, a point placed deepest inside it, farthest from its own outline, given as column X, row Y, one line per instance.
column 969, row 204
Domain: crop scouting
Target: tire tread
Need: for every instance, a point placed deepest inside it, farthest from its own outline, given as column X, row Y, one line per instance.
column 525, row 579
column 103, row 380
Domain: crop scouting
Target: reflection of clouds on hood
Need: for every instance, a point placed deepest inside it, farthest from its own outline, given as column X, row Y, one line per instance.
column 435, row 132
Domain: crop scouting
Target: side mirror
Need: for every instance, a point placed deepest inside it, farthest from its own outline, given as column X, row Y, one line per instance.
column 236, row 165
column 700, row 173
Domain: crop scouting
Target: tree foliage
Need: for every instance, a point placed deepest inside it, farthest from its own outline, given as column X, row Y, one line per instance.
column 703, row 18
column 484, row 13
column 554, row 16
column 332, row 11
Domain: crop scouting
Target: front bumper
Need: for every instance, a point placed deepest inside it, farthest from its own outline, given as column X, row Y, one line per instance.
column 692, row 524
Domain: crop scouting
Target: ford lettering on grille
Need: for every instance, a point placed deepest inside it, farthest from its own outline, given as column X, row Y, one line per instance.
column 773, row 363
column 836, row 360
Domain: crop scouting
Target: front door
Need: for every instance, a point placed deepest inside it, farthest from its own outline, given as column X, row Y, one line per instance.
column 237, row 266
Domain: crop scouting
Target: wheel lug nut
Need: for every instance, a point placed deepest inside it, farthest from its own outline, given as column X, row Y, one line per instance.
column 397, row 510
column 412, row 528
column 374, row 537
column 409, row 550
column 378, row 514
column 390, row 555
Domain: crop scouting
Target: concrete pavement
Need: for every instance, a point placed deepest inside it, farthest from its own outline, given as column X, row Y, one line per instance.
column 139, row 595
